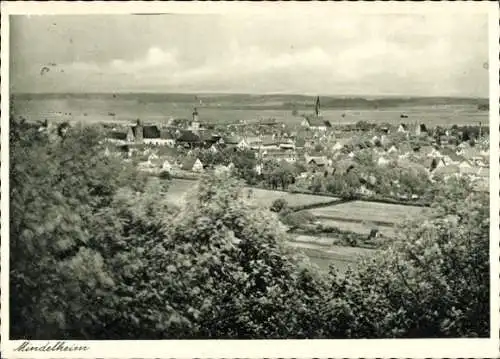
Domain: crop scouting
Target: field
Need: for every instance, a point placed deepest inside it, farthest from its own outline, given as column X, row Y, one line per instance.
column 350, row 217
column 340, row 257
column 358, row 227
column 225, row 109
column 369, row 212
column 261, row 197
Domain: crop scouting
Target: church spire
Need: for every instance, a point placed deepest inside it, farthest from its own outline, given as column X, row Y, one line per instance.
column 317, row 106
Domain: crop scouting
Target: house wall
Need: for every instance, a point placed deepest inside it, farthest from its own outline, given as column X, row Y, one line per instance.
column 130, row 135
column 159, row 141
column 198, row 166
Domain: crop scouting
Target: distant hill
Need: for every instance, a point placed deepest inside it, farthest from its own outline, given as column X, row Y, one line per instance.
column 265, row 101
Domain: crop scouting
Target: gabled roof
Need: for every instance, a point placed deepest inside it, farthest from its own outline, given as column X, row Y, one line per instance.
column 452, row 154
column 269, row 141
column 189, row 163
column 318, row 122
column 116, row 135
column 207, row 136
column 150, row 131
column 167, row 135
column 188, row 136
column 231, row 140
column 318, row 160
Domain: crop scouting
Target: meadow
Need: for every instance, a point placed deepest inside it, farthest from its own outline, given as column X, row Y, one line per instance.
column 178, row 188
column 340, row 257
column 356, row 216
column 369, row 212
column 358, row 227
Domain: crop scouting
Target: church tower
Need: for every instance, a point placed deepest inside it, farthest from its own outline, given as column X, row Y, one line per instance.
column 317, row 107
column 139, row 132
column 195, row 124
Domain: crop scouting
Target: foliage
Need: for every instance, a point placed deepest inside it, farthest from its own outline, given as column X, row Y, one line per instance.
column 105, row 261
column 244, row 161
column 57, row 187
column 278, row 205
column 97, row 254
column 432, row 282
column 277, row 174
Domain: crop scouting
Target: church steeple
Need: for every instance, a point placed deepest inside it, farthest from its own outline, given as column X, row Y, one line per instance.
column 195, row 115
column 317, row 107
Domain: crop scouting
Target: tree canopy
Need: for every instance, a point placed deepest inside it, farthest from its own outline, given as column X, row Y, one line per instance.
column 96, row 253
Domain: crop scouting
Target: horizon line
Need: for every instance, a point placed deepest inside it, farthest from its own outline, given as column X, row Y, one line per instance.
column 205, row 93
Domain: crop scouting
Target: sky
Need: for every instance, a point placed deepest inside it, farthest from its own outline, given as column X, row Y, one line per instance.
column 328, row 53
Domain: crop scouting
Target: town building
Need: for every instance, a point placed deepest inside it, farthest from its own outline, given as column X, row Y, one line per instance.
column 192, row 164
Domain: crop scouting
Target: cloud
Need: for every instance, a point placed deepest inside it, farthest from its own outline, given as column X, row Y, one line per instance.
column 156, row 58
column 410, row 54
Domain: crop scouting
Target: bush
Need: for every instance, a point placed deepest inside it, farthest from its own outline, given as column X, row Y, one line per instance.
column 165, row 175
column 433, row 281
column 278, row 205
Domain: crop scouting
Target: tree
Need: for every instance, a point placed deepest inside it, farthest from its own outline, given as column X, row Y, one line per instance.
column 230, row 274
column 110, row 260
column 57, row 187
column 278, row 205
column 295, row 220
column 432, row 282
column 97, row 253
column 319, row 148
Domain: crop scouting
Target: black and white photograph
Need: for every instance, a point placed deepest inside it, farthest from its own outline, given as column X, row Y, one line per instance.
column 241, row 171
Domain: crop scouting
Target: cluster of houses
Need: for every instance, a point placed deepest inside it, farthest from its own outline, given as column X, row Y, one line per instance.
column 315, row 143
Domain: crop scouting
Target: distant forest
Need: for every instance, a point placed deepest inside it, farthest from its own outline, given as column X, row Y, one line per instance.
column 271, row 101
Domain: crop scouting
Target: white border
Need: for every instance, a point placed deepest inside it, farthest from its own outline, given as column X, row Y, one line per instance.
column 436, row 348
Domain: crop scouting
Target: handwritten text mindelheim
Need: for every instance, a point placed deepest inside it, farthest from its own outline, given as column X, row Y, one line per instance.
column 26, row 346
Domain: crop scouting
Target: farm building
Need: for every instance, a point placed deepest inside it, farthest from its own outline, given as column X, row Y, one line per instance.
column 231, row 141
column 287, row 145
column 383, row 161
column 317, row 161
column 420, row 129
column 253, row 142
column 116, row 137
column 450, row 157
column 192, row 164
column 243, row 144
column 403, row 128
column 269, row 142
column 143, row 133
column 316, row 123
